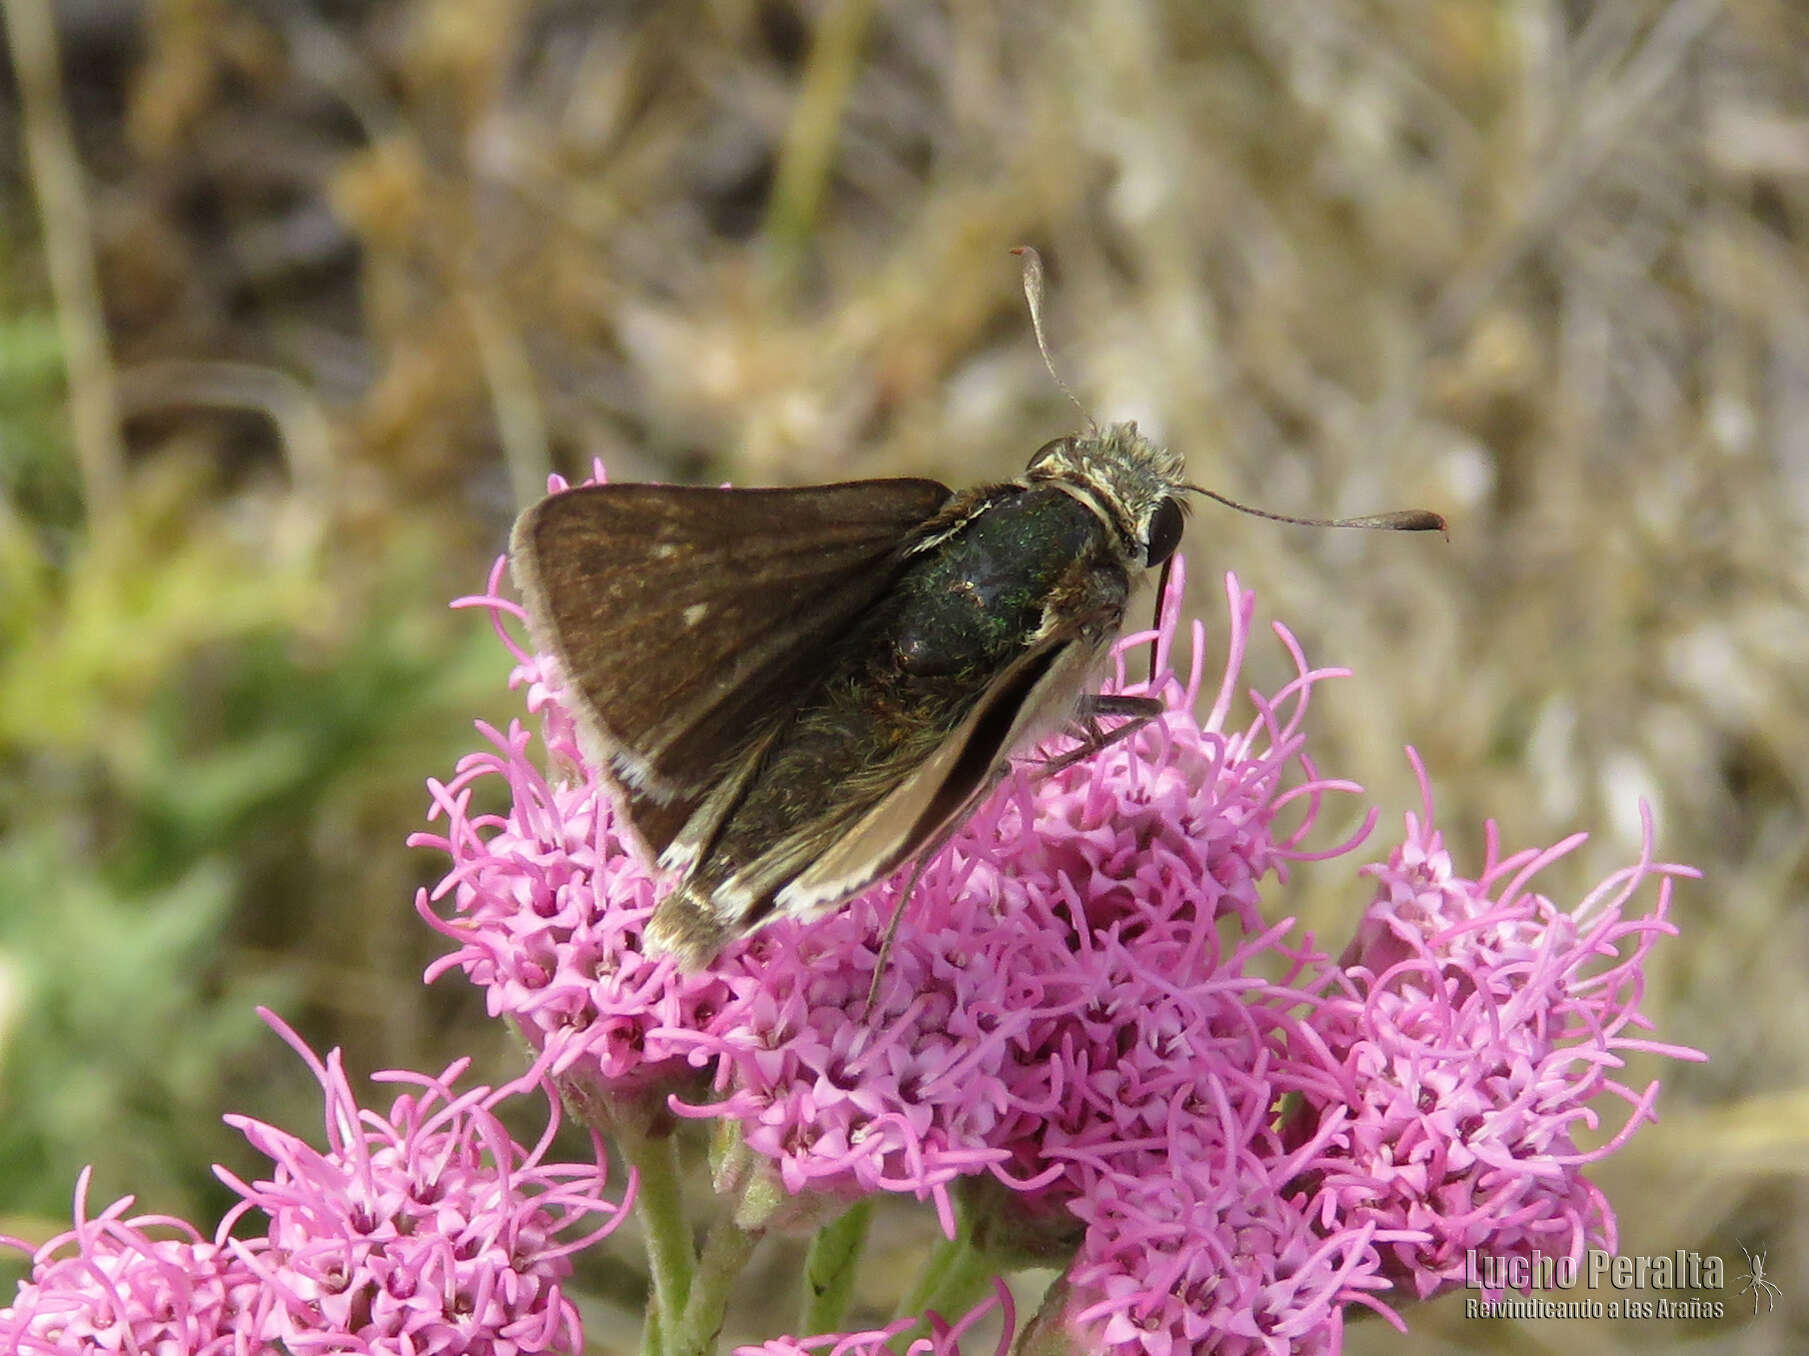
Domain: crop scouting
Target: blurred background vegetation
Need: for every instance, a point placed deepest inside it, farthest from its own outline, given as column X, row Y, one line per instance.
column 301, row 299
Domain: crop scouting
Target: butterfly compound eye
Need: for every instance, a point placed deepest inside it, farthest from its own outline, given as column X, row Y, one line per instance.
column 1165, row 526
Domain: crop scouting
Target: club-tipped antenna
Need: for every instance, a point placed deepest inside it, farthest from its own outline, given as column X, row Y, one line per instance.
column 1033, row 293
column 1403, row 520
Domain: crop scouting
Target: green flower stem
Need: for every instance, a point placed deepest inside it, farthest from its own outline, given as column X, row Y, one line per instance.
column 940, row 1260
column 957, row 1276
column 829, row 1267
column 725, row 1253
column 1046, row 1334
column 964, row 1282
column 660, row 1205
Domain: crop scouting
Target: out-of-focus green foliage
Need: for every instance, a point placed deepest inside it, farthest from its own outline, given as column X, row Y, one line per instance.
column 85, row 1074
column 178, row 704
column 36, row 473
column 101, row 637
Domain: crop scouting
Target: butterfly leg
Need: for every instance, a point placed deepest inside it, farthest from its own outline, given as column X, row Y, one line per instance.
column 885, row 946
column 1155, row 646
column 1140, row 710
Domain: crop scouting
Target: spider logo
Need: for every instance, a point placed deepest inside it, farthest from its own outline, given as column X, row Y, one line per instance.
column 1757, row 1282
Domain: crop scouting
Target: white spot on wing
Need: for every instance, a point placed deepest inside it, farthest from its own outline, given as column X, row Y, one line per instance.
column 696, row 613
column 732, row 900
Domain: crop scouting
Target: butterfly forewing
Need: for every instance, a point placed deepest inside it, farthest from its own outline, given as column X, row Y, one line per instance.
column 686, row 616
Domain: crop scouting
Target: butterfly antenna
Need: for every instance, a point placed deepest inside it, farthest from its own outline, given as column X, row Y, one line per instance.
column 1033, row 293
column 1406, row 520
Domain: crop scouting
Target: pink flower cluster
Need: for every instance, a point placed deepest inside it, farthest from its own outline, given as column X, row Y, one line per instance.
column 1437, row 1074
column 426, row 1229
column 552, row 903
column 1087, row 1025
column 121, row 1289
column 1476, row 1024
column 1199, row 1234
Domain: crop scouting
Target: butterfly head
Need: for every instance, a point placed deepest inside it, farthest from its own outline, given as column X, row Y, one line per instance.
column 1135, row 485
